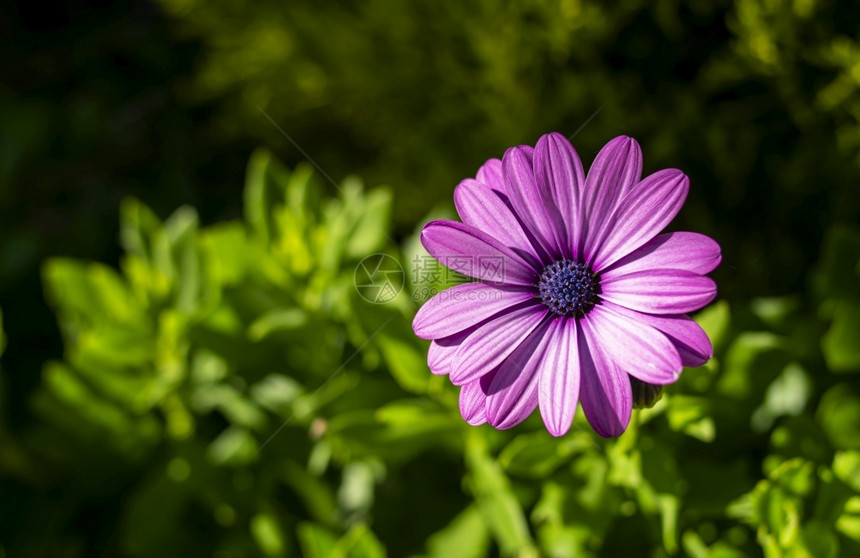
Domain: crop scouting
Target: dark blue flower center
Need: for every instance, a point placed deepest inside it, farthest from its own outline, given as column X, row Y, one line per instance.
column 569, row 288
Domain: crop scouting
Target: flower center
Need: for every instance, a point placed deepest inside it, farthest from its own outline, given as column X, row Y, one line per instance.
column 569, row 288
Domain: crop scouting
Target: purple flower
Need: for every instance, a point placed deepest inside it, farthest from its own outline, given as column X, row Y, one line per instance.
column 590, row 300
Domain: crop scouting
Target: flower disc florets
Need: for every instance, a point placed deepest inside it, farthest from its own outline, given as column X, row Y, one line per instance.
column 569, row 288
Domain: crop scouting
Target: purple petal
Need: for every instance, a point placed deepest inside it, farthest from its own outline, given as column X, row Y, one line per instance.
column 471, row 252
column 643, row 213
column 473, row 402
column 678, row 250
column 605, row 392
column 483, row 208
column 614, row 172
column 528, row 201
column 441, row 352
column 636, row 347
column 513, row 393
column 491, row 343
column 463, row 306
column 558, row 390
column 689, row 338
column 490, row 174
column 439, row 357
column 560, row 179
column 660, row 291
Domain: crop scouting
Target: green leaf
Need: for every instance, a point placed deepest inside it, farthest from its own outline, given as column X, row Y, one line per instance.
column 795, row 476
column 743, row 373
column 846, row 467
column 208, row 366
column 691, row 415
column 839, row 414
column 314, row 491
column 277, row 320
column 537, row 454
column 267, row 532
column 395, row 432
column 848, row 522
column 819, row 539
column 693, row 544
column 339, row 219
column 180, row 230
column 315, row 540
column 356, row 491
column 276, row 393
column 370, row 233
column 227, row 252
column 359, row 542
column 406, row 359
column 786, row 396
column 466, row 536
column 257, row 196
column 840, row 344
column 94, row 293
column 715, row 320
column 138, row 227
column 232, row 404
column 562, row 541
column 669, row 506
column 235, row 446
column 494, row 497
column 774, row 311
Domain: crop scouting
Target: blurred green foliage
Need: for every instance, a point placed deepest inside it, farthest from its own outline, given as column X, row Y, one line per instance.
column 233, row 386
column 222, row 388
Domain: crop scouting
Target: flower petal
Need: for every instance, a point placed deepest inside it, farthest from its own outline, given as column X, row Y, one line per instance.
column 513, row 393
column 438, row 357
column 614, row 172
column 560, row 180
column 490, row 174
column 481, row 207
column 473, row 400
column 462, row 306
column 471, row 252
column 660, row 291
column 689, row 338
column 678, row 250
column 441, row 353
column 605, row 392
column 529, row 202
column 643, row 213
column 558, row 388
column 636, row 347
column 491, row 343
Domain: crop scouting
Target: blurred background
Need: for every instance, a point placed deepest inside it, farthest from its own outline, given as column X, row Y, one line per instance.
column 188, row 369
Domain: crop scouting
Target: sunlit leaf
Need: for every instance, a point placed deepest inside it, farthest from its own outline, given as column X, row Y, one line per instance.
column 839, row 414
column 235, row 446
column 840, row 345
column 846, row 467
column 406, row 360
column 315, row 540
column 466, row 536
column 787, row 395
column 277, row 320
column 267, row 533
column 498, row 504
